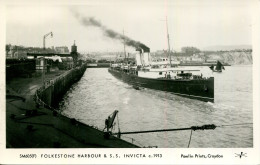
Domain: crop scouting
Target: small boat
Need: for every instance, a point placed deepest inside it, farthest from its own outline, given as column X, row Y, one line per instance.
column 218, row 67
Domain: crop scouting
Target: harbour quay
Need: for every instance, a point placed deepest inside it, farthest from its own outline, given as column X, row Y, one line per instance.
column 34, row 88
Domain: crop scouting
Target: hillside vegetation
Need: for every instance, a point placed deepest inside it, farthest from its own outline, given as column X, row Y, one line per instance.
column 232, row 57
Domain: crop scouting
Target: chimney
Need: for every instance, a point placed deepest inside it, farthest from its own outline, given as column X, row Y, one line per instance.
column 146, row 49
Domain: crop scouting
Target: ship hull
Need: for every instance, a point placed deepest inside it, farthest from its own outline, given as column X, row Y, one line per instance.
column 218, row 71
column 199, row 89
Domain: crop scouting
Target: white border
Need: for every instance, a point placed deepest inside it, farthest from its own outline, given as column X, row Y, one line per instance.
column 170, row 155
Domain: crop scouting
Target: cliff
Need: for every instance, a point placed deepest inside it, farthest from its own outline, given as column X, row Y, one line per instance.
column 231, row 57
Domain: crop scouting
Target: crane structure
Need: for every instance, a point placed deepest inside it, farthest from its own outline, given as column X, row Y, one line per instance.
column 45, row 36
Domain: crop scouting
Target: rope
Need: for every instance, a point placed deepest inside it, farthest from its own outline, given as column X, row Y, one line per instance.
column 194, row 128
column 234, row 124
column 132, row 140
column 190, row 138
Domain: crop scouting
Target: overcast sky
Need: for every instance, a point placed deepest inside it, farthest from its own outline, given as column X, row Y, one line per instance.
column 200, row 23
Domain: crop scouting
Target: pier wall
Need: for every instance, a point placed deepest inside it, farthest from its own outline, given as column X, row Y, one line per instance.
column 53, row 90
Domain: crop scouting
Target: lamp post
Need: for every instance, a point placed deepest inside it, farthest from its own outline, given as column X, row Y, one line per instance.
column 45, row 36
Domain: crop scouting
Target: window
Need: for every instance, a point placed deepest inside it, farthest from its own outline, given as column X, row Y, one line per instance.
column 160, row 73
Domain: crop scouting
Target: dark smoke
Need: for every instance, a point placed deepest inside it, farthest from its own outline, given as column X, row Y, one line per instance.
column 91, row 21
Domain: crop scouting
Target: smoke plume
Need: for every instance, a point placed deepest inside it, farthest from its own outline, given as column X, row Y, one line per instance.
column 91, row 21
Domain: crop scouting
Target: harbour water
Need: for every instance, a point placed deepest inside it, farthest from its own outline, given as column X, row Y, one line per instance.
column 98, row 94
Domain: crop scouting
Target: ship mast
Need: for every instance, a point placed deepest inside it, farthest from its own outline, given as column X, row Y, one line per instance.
column 124, row 44
column 169, row 48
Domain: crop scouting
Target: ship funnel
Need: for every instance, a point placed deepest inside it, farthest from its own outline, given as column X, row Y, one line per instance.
column 138, row 57
column 143, row 49
column 146, row 50
column 139, row 50
column 143, row 56
column 146, row 58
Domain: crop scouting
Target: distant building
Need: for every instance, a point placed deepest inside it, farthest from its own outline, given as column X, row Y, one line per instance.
column 20, row 54
column 74, row 48
column 62, row 49
column 10, row 52
column 16, row 53
column 74, row 53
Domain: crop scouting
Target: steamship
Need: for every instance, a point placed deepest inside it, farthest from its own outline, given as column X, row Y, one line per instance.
column 179, row 80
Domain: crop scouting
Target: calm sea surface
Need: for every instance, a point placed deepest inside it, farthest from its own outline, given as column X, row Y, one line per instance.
column 98, row 94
